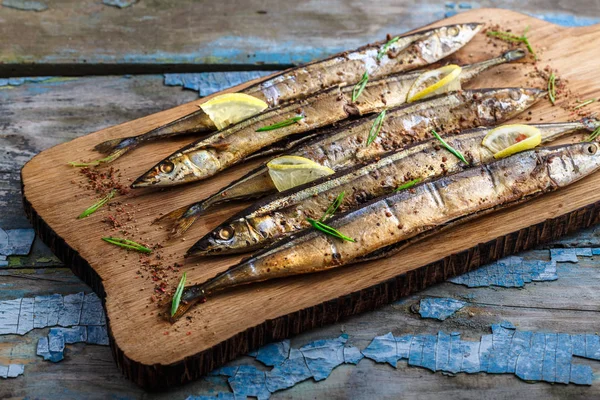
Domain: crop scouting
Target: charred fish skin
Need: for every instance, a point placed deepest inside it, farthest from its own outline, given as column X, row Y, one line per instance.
column 206, row 157
column 286, row 213
column 418, row 49
column 409, row 214
column 403, row 126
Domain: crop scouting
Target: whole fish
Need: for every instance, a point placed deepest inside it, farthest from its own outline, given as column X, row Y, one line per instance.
column 282, row 214
column 208, row 156
column 407, row 53
column 346, row 147
column 389, row 223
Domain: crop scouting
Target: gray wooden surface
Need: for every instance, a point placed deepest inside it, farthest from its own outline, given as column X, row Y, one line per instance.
column 36, row 116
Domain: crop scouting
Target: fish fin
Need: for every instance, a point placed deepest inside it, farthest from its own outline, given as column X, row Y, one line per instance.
column 110, row 145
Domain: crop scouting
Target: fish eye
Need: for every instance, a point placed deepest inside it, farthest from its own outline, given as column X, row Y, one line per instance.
column 167, row 167
column 591, row 149
column 226, row 233
column 453, row 31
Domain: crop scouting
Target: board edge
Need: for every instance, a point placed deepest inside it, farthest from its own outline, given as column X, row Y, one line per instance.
column 157, row 377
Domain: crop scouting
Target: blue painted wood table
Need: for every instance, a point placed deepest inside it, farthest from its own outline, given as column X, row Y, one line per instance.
column 72, row 68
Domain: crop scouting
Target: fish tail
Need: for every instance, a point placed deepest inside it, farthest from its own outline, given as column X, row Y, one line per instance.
column 115, row 148
column 183, row 223
column 182, row 218
column 184, row 306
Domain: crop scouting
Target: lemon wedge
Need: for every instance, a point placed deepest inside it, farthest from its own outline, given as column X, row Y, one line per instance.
column 287, row 172
column 230, row 108
column 507, row 140
column 437, row 81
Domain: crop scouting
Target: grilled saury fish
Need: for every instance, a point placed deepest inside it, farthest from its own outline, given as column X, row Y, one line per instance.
column 346, row 146
column 407, row 53
column 388, row 223
column 208, row 156
column 282, row 214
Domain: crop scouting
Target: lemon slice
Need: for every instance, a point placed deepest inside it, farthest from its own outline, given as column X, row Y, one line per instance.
column 507, row 140
column 230, row 108
column 290, row 171
column 437, row 81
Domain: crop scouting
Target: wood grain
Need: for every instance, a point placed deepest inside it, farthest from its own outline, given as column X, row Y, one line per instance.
column 233, row 323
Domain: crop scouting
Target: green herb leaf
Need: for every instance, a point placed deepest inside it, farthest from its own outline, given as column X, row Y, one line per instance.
column 594, row 135
column 449, row 148
column 386, row 46
column 408, row 185
column 96, row 206
column 377, row 124
column 177, row 296
column 584, row 103
column 93, row 163
column 552, row 88
column 510, row 37
column 127, row 244
column 329, row 230
column 360, row 86
column 282, row 124
column 333, row 207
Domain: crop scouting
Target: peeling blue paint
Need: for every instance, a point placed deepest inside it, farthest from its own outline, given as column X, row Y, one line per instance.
column 16, row 242
column 570, row 254
column 439, row 308
column 207, row 83
column 21, row 81
column 567, row 19
column 25, row 5
column 11, row 370
column 531, row 356
column 509, row 272
column 290, row 366
column 273, row 353
column 80, row 316
column 119, row 3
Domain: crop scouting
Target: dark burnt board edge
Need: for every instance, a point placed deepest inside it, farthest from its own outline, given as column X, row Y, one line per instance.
column 158, row 377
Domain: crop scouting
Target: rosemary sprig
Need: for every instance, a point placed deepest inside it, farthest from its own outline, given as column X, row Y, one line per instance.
column 127, row 244
column 552, row 88
column 282, row 124
column 377, row 124
column 92, row 163
column 408, row 185
column 386, row 46
column 333, row 207
column 360, row 86
column 97, row 205
column 593, row 135
column 511, row 37
column 329, row 230
column 178, row 293
column 449, row 148
column 584, row 103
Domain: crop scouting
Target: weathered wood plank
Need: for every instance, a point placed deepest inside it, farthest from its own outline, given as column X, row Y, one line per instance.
column 94, row 365
column 155, row 36
column 36, row 116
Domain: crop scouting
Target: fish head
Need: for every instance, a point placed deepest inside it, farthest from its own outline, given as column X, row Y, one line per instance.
column 569, row 163
column 496, row 105
column 180, row 168
column 446, row 40
column 234, row 236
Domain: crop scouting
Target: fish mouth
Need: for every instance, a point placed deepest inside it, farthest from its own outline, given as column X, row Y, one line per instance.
column 148, row 179
column 202, row 247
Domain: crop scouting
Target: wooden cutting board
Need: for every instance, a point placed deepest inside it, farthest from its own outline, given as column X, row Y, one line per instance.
column 156, row 354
